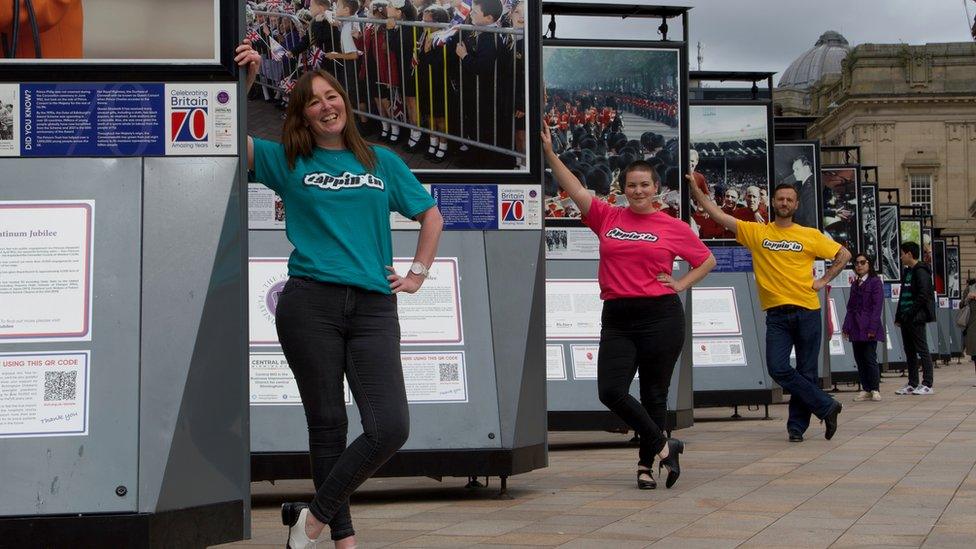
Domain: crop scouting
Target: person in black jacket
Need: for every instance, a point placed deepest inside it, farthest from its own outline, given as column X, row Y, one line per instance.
column 916, row 308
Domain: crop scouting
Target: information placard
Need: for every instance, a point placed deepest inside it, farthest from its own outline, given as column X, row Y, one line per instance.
column 715, row 312
column 265, row 209
column 272, row 382
column 555, row 363
column 266, row 278
column 489, row 207
column 837, row 344
column 585, row 361
column 573, row 309
column 435, row 377
column 432, row 316
column 44, row 394
column 718, row 352
column 46, row 270
column 571, row 243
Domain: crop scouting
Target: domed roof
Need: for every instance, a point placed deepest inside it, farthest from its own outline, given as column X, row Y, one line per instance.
column 823, row 58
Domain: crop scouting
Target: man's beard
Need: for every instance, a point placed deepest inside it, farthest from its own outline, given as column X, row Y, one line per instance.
column 789, row 216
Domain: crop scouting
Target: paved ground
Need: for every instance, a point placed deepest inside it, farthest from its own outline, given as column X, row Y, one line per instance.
column 898, row 473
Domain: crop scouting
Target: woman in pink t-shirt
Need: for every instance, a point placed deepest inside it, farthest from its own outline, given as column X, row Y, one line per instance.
column 643, row 322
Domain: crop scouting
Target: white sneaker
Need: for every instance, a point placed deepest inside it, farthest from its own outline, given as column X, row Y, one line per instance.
column 923, row 390
column 876, row 396
column 862, row 396
column 908, row 389
column 296, row 534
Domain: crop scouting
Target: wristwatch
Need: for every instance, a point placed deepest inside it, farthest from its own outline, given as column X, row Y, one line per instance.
column 419, row 269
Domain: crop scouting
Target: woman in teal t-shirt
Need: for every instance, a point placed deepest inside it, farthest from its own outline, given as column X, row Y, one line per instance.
column 337, row 313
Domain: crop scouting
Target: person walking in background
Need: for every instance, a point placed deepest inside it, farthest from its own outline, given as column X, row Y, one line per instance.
column 916, row 308
column 783, row 253
column 863, row 328
column 969, row 332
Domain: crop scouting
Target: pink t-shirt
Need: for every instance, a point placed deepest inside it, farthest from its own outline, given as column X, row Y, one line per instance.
column 635, row 248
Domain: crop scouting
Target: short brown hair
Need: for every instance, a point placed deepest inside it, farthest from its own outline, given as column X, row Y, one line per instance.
column 787, row 186
column 298, row 138
column 638, row 166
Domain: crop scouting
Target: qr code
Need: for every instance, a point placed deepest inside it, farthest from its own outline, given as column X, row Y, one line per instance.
column 449, row 372
column 59, row 385
column 736, row 349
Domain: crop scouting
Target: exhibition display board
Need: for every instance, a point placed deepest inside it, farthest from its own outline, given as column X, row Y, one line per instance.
column 124, row 417
column 472, row 338
column 609, row 102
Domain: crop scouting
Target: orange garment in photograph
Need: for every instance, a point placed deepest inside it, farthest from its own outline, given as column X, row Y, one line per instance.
column 60, row 25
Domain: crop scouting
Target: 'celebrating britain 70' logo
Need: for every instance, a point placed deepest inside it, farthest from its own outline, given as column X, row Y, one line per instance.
column 513, row 209
column 189, row 125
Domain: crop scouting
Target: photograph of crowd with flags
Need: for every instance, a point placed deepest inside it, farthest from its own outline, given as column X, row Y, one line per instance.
column 443, row 82
column 607, row 107
column 729, row 160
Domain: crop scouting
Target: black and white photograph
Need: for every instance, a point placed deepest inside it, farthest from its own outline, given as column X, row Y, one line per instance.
column 888, row 222
column 607, row 107
column 841, row 209
column 871, row 237
column 556, row 240
column 939, row 269
column 446, row 87
column 953, row 272
column 729, row 160
column 798, row 164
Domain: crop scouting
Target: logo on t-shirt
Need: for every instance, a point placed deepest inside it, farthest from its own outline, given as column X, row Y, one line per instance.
column 618, row 234
column 347, row 180
column 782, row 245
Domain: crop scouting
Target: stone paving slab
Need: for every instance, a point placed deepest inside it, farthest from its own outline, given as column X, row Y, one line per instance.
column 899, row 473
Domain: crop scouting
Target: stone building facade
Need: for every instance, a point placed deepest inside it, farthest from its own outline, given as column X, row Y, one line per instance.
column 912, row 112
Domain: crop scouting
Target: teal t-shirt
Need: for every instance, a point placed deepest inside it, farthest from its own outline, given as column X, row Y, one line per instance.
column 338, row 215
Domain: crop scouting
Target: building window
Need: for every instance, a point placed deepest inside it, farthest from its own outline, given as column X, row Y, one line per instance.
column 921, row 191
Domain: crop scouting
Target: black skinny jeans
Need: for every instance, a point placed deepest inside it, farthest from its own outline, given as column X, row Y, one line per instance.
column 866, row 358
column 917, row 348
column 640, row 334
column 327, row 330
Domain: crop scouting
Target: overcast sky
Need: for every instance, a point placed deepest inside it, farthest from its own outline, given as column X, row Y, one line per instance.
column 767, row 35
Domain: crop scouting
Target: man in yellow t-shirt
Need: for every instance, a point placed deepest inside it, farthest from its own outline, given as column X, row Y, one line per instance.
column 782, row 257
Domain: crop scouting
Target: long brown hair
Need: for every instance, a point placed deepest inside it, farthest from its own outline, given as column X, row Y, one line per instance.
column 298, row 138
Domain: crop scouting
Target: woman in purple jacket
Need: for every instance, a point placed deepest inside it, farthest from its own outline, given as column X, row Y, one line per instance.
column 863, row 328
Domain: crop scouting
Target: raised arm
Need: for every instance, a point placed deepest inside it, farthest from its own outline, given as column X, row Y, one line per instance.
column 841, row 259
column 711, row 207
column 567, row 181
column 247, row 57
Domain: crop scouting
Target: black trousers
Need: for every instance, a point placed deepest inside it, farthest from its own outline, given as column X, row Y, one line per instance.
column 327, row 330
column 916, row 346
column 866, row 358
column 640, row 335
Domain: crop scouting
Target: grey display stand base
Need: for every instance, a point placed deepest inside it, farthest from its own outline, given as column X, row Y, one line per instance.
column 596, row 420
column 164, row 530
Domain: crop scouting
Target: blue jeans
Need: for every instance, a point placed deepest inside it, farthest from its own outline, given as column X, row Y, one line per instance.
column 796, row 327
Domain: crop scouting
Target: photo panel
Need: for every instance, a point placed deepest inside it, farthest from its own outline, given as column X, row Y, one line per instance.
column 911, row 231
column 939, row 268
column 730, row 160
column 870, row 230
column 607, row 105
column 953, row 272
column 116, row 32
column 449, row 94
column 798, row 164
column 889, row 224
column 841, row 208
column 927, row 241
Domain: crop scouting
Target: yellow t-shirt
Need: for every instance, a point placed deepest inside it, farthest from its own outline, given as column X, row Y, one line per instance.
column 783, row 261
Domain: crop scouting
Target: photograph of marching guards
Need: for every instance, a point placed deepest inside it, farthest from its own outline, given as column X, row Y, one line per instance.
column 606, row 106
column 730, row 162
column 445, row 84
